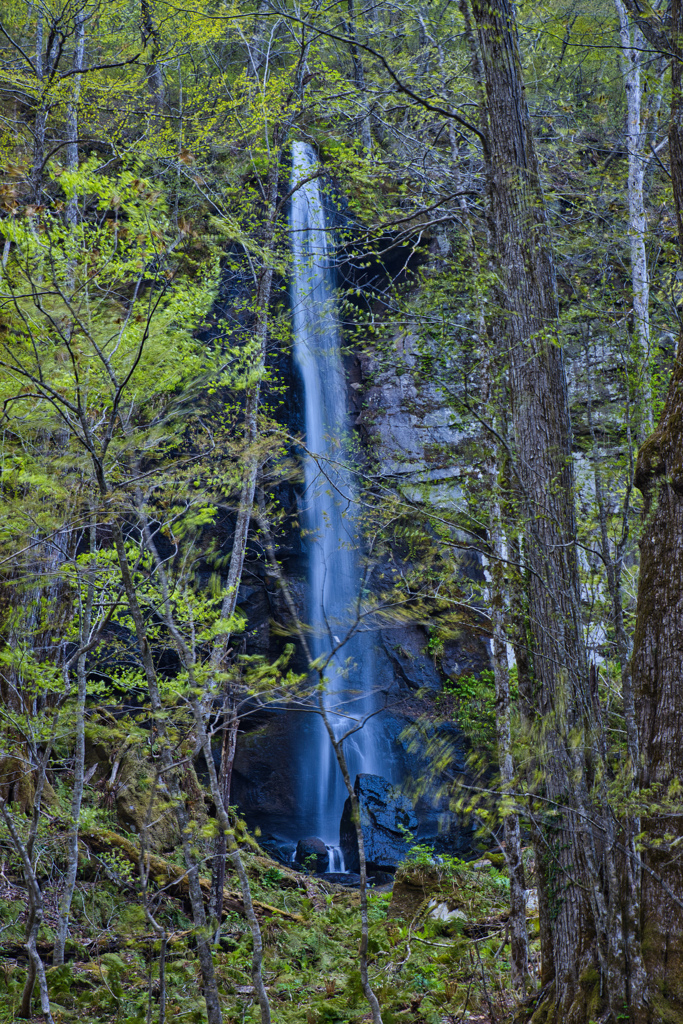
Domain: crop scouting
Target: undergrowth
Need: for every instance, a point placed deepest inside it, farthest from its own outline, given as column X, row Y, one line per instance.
column 424, row 971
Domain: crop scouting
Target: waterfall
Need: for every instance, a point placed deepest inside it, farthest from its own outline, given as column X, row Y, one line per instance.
column 329, row 520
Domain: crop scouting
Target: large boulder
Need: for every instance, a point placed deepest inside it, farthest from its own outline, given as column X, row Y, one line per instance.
column 384, row 814
column 312, row 854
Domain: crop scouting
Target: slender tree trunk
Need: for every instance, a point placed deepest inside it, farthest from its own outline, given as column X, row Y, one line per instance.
column 337, row 745
column 255, row 47
column 626, row 954
column 41, row 116
column 241, row 535
column 188, row 661
column 228, row 748
column 36, row 968
column 519, row 952
column 79, row 759
column 676, row 122
column 35, row 909
column 153, row 70
column 359, row 78
column 44, row 66
column 71, row 212
column 143, row 871
column 234, row 853
column 637, row 136
column 205, row 956
column 521, row 645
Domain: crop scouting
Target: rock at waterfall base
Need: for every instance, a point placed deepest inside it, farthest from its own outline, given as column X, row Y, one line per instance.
column 385, row 814
column 311, row 854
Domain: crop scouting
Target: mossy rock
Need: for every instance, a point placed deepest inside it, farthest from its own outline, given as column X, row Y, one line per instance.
column 18, row 785
column 414, row 886
column 496, row 859
column 125, row 779
column 133, row 799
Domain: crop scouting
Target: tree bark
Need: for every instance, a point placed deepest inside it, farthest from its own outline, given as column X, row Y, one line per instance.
column 187, row 658
column 337, row 745
column 79, row 757
column 658, row 687
column 519, row 947
column 638, row 137
column 153, row 70
column 657, row 648
column 71, row 211
column 205, row 956
column 36, row 968
column 521, row 251
column 657, row 664
column 228, row 748
column 363, row 120
column 219, row 653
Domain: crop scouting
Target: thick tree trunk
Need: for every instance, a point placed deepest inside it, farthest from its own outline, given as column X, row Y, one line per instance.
column 657, row 665
column 658, row 651
column 658, row 686
column 543, row 466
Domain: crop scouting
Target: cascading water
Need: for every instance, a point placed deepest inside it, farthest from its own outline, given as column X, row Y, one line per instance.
column 329, row 518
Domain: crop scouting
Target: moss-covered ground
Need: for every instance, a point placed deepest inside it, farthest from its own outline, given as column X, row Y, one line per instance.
column 423, row 969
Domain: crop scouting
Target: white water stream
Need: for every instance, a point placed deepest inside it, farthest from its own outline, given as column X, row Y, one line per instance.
column 328, row 517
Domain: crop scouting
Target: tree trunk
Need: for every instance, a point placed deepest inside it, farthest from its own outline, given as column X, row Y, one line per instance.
column 79, row 758
column 153, row 70
column 36, row 968
column 43, row 65
column 676, row 122
column 542, row 440
column 337, row 745
column 657, row 664
column 658, row 651
column 228, row 748
column 519, row 947
column 71, row 211
column 637, row 139
column 188, row 661
column 205, row 956
column 363, row 120
column 658, row 687
column 219, row 653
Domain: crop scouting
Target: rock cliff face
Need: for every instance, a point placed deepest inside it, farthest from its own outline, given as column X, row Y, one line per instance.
column 416, row 446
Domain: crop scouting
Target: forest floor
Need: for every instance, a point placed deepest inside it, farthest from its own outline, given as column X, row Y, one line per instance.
column 424, row 970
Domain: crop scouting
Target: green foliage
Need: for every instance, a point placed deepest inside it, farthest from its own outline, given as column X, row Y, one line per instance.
column 474, row 708
column 131, row 308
